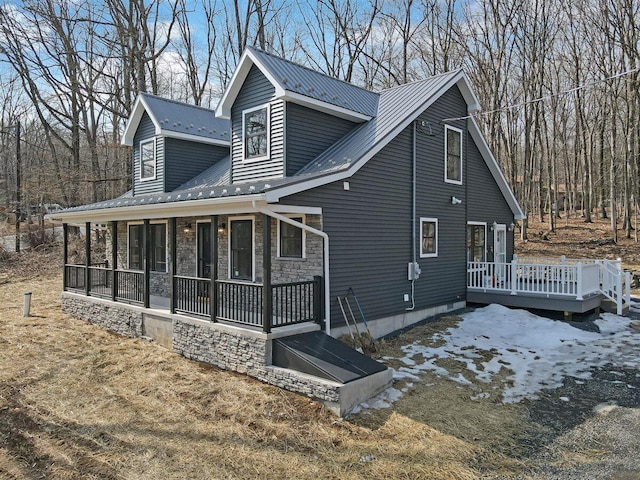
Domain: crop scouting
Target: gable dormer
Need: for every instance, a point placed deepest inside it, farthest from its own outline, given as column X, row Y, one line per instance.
column 283, row 115
column 172, row 142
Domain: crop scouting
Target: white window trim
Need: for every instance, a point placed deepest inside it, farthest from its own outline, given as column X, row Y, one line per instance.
column 482, row 224
column 304, row 237
column 166, row 240
column 446, row 156
column 268, row 118
column 430, row 220
column 253, row 247
column 155, row 160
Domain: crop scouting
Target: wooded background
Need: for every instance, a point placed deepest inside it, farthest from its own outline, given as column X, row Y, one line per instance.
column 558, row 82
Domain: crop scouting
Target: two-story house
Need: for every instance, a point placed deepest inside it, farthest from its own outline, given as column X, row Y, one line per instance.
column 245, row 224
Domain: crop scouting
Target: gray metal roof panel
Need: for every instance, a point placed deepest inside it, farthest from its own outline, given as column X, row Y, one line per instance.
column 318, row 86
column 396, row 104
column 187, row 119
column 214, row 176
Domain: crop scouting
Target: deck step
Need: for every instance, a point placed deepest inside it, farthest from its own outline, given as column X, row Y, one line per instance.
column 323, row 356
column 611, row 307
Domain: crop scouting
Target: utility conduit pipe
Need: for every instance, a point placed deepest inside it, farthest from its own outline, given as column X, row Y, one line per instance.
column 325, row 237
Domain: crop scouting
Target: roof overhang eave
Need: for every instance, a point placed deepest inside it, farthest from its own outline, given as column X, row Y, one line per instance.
column 186, row 208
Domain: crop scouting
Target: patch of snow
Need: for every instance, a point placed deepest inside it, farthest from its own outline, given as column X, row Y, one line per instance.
column 537, row 352
column 564, row 399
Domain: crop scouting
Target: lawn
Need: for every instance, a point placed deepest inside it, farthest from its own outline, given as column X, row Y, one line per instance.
column 79, row 402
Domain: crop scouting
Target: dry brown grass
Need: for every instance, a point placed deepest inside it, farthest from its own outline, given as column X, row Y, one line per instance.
column 80, row 402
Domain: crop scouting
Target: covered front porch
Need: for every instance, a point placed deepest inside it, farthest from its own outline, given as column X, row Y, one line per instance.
column 560, row 284
column 193, row 266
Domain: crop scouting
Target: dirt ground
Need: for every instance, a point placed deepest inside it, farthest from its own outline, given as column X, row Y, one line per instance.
column 77, row 402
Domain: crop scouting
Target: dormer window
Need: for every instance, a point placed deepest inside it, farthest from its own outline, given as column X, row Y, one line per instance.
column 255, row 129
column 148, row 159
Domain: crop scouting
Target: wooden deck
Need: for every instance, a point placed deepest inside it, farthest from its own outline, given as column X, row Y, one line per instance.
column 570, row 286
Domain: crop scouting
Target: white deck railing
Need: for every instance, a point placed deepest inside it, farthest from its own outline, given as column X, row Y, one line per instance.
column 560, row 277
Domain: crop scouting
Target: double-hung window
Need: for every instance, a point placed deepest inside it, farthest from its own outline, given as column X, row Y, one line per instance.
column 428, row 237
column 158, row 247
column 148, row 159
column 255, row 131
column 453, row 155
column 291, row 239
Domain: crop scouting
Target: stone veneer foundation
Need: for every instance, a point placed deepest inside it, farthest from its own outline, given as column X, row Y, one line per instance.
column 225, row 346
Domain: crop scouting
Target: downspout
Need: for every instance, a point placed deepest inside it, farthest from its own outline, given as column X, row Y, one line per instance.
column 413, row 213
column 325, row 237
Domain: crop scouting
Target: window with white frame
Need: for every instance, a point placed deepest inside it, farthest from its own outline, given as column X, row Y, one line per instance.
column 255, row 133
column 428, row 237
column 453, row 155
column 291, row 239
column 148, row 159
column 476, row 242
column 158, row 247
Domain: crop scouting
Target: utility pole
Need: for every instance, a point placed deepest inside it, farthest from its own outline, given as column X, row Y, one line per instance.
column 18, row 186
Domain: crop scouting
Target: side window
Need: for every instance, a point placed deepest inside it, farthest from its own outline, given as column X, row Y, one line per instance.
column 148, row 160
column 476, row 243
column 291, row 240
column 453, row 155
column 428, row 237
column 255, row 133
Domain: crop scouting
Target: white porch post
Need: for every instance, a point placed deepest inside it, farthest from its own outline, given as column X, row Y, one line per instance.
column 579, row 281
column 514, row 274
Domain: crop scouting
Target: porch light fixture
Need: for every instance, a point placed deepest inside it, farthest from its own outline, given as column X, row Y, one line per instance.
column 494, row 225
column 188, row 228
column 511, row 226
column 222, row 228
column 455, row 201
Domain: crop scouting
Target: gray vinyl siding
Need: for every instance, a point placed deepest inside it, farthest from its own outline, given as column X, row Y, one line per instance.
column 257, row 91
column 485, row 200
column 186, row 159
column 370, row 225
column 309, row 133
column 146, row 131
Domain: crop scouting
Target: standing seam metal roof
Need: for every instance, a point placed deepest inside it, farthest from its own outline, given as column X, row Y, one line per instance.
column 187, row 119
column 318, row 86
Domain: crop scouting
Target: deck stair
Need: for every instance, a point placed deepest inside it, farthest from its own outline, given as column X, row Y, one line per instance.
column 572, row 285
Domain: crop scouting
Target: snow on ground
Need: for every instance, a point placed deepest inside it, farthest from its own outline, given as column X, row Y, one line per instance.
column 540, row 352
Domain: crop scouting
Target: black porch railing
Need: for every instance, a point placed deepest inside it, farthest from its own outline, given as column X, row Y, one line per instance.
column 100, row 281
column 242, row 302
column 191, row 295
column 74, row 277
column 237, row 302
column 130, row 286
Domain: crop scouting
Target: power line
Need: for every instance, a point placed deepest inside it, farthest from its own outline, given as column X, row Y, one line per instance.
column 547, row 97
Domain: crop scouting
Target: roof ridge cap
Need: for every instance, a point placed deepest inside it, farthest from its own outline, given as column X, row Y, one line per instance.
column 443, row 74
column 178, row 102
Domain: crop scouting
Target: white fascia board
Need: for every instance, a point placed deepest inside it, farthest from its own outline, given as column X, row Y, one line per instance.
column 276, row 194
column 237, row 80
column 195, row 138
column 495, row 170
column 186, row 208
column 473, row 104
column 139, row 107
column 324, row 107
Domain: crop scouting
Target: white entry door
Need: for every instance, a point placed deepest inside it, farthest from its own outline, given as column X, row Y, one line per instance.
column 500, row 249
